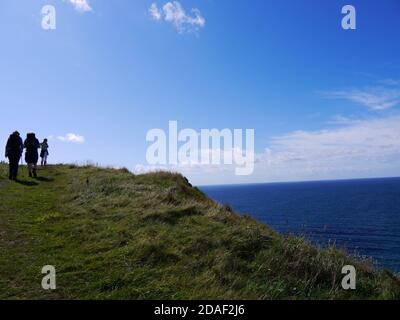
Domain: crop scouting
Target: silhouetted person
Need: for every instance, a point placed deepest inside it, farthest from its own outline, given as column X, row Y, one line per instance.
column 14, row 150
column 44, row 152
column 31, row 144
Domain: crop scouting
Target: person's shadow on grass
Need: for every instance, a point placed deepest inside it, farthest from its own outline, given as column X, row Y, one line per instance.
column 27, row 183
column 44, row 179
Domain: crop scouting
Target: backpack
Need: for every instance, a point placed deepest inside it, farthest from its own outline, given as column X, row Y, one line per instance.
column 14, row 144
column 31, row 142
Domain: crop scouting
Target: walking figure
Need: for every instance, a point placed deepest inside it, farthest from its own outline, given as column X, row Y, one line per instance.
column 14, row 150
column 44, row 152
column 31, row 145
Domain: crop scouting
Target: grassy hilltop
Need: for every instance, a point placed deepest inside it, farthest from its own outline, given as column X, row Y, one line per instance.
column 113, row 235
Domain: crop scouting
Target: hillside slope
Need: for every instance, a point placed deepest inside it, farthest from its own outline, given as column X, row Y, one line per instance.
column 114, row 235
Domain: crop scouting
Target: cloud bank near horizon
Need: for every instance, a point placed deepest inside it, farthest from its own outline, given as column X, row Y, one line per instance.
column 354, row 148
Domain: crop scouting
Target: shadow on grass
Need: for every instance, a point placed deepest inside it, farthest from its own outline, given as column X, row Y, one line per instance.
column 27, row 183
column 44, row 179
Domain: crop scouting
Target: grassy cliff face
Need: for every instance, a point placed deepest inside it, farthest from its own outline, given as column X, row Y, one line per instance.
column 114, row 235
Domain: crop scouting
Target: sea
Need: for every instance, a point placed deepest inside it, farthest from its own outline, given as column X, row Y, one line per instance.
column 360, row 216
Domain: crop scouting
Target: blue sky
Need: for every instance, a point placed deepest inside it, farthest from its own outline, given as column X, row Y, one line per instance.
column 324, row 102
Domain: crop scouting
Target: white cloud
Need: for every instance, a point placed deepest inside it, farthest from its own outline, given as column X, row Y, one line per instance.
column 375, row 98
column 174, row 13
column 155, row 12
column 81, row 5
column 368, row 138
column 357, row 148
column 72, row 137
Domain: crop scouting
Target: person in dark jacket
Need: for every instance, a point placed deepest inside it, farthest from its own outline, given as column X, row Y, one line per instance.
column 14, row 150
column 31, row 144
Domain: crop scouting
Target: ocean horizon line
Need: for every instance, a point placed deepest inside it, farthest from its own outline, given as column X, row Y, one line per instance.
column 295, row 182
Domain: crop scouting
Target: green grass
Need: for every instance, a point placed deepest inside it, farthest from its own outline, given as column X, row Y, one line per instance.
column 121, row 236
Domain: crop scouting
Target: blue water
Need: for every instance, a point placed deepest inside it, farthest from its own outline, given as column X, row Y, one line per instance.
column 360, row 216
